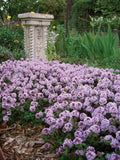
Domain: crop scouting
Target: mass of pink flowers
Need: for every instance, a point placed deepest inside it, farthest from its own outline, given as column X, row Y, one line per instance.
column 85, row 98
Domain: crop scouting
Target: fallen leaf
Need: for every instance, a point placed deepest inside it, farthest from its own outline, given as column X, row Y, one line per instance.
column 3, row 125
column 9, row 141
column 52, row 155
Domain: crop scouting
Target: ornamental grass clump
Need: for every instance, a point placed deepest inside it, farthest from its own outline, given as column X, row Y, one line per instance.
column 79, row 106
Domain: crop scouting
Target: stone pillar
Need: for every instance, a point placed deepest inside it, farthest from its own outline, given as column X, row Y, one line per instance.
column 35, row 33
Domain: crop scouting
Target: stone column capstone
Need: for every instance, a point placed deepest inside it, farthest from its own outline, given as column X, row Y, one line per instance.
column 35, row 33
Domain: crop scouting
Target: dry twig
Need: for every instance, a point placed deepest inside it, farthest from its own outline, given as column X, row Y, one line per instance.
column 2, row 157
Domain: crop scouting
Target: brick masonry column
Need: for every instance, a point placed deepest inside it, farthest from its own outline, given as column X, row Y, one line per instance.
column 35, row 33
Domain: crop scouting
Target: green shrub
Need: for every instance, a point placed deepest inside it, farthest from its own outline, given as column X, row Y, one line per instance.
column 18, row 54
column 15, row 7
column 79, row 14
column 11, row 40
column 113, row 21
column 11, row 36
column 60, row 44
column 51, row 51
column 107, row 8
column 5, row 54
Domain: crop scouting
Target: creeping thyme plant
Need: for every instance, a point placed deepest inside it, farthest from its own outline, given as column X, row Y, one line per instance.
column 79, row 105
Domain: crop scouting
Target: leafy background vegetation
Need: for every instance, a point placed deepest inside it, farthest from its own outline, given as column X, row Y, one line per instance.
column 89, row 39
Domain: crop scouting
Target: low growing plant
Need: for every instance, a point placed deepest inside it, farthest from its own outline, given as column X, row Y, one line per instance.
column 78, row 105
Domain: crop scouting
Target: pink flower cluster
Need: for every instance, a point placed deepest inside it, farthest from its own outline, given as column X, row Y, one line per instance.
column 88, row 98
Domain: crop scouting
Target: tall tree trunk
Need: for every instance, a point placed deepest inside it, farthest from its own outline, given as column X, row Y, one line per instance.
column 67, row 18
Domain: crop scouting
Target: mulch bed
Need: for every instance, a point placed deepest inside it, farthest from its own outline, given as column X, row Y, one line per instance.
column 19, row 142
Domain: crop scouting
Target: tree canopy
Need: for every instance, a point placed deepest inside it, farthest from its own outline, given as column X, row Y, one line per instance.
column 79, row 10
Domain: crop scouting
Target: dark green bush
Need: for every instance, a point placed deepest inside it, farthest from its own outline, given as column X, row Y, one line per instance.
column 5, row 54
column 11, row 40
column 11, row 36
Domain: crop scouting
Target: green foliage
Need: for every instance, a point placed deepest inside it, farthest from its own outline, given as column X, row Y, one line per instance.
column 80, row 11
column 94, row 140
column 11, row 40
column 107, row 13
column 5, row 54
column 18, row 54
column 55, row 7
column 91, row 47
column 113, row 22
column 51, row 51
column 112, row 62
column 100, row 45
column 13, row 8
column 102, row 158
column 68, row 155
column 107, row 8
column 60, row 40
column 10, row 37
column 23, row 114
